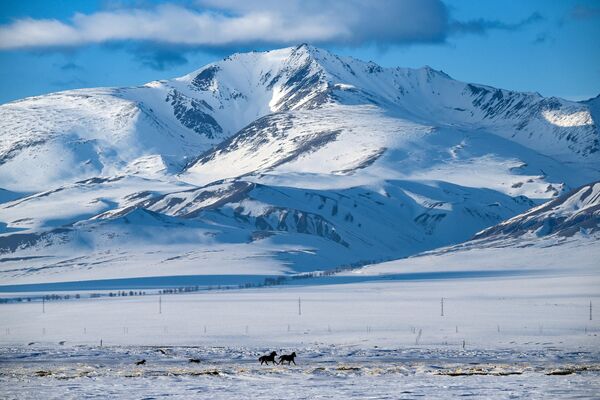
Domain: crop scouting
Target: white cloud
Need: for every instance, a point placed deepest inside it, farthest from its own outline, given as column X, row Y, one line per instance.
column 225, row 23
column 29, row 32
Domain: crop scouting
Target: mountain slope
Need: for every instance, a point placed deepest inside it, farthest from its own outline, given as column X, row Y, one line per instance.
column 277, row 229
column 576, row 212
column 558, row 238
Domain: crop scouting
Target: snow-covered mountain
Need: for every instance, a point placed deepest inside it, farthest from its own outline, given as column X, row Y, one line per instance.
column 275, row 162
column 576, row 212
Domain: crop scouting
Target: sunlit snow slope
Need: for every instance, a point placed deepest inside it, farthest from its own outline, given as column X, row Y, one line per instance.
column 275, row 162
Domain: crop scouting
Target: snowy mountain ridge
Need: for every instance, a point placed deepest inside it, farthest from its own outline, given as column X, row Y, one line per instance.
column 107, row 131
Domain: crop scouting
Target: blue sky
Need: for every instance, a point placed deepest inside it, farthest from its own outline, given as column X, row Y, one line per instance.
column 550, row 47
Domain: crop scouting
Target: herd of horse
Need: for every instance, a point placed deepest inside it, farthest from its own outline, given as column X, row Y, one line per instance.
column 283, row 358
column 263, row 359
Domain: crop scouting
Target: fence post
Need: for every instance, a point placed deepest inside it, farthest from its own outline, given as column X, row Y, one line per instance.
column 418, row 337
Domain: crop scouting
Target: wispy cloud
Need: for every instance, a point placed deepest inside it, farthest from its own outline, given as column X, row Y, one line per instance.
column 218, row 24
column 540, row 38
column 584, row 11
column 160, row 59
column 482, row 26
column 70, row 66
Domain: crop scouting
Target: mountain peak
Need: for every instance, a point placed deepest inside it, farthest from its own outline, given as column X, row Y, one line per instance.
column 309, row 49
column 431, row 70
column 304, row 46
column 309, row 53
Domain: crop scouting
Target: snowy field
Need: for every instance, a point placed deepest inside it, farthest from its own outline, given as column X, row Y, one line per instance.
column 516, row 335
column 324, row 371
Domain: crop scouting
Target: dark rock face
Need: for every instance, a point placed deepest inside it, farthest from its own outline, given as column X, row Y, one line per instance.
column 193, row 114
column 429, row 221
column 205, row 79
column 227, row 201
column 291, row 220
column 10, row 243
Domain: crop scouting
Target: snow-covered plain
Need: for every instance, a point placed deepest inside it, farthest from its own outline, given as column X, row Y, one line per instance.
column 515, row 324
column 382, row 336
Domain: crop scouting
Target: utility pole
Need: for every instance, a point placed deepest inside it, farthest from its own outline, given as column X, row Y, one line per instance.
column 43, row 305
column 160, row 304
column 590, row 310
column 442, row 306
column 299, row 306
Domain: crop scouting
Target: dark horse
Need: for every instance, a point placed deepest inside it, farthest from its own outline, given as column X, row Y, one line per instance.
column 266, row 359
column 288, row 357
